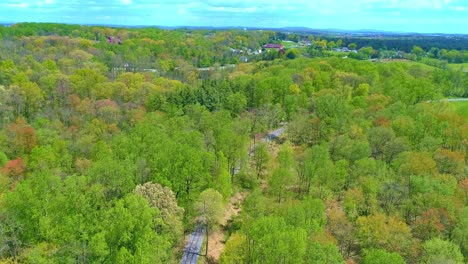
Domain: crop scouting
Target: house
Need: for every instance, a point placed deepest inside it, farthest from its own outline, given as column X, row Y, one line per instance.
column 273, row 46
column 344, row 49
column 279, row 47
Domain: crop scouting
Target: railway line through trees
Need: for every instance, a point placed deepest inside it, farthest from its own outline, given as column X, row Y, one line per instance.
column 194, row 244
column 193, row 247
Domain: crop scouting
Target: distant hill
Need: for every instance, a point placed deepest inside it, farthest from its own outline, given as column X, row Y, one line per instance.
column 306, row 30
column 378, row 39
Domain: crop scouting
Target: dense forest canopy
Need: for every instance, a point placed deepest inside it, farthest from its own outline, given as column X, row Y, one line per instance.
column 154, row 48
column 114, row 142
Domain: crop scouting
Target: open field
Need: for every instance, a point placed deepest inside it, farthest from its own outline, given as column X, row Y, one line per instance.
column 458, row 66
column 409, row 62
column 461, row 108
column 289, row 44
column 452, row 66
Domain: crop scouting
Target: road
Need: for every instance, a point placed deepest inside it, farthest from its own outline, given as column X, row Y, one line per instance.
column 193, row 247
column 269, row 137
column 229, row 66
column 274, row 134
column 456, row 100
column 450, row 100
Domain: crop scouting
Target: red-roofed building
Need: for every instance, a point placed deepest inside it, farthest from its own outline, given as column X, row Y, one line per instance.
column 279, row 47
column 273, row 46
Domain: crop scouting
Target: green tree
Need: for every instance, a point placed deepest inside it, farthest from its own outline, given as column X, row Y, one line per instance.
column 440, row 251
column 418, row 51
column 230, row 138
column 84, row 81
column 323, row 253
column 3, row 159
column 379, row 139
column 309, row 215
column 236, row 250
column 211, row 210
column 302, row 129
column 460, row 232
column 236, row 103
column 130, row 235
column 367, row 52
column 115, row 175
column 280, row 180
column 292, row 54
column 163, row 199
column 339, row 43
column 390, row 233
column 210, row 206
column 33, row 97
column 222, row 178
column 332, row 111
column 286, row 156
column 282, row 176
column 450, row 161
column 352, row 46
column 316, row 158
column 261, row 158
column 273, row 241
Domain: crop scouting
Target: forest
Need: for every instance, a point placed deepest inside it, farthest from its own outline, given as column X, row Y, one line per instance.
column 115, row 142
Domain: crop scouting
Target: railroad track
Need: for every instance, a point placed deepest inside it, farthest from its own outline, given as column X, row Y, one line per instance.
column 193, row 247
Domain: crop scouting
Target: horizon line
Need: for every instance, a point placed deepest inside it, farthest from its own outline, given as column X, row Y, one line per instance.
column 325, row 30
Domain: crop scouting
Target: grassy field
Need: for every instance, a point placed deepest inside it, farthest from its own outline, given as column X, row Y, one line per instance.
column 410, row 62
column 289, row 44
column 452, row 66
column 461, row 108
column 458, row 66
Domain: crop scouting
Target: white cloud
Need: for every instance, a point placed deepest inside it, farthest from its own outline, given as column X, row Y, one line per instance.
column 18, row 5
column 381, row 14
column 232, row 9
column 416, row 4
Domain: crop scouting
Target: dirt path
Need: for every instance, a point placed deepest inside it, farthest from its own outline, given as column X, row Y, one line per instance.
column 216, row 241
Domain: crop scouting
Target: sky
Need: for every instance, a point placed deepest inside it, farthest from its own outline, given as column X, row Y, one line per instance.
column 424, row 16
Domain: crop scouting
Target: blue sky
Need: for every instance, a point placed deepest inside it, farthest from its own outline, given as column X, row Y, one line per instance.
column 445, row 16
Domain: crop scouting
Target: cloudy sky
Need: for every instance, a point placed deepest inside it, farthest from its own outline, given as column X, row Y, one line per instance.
column 446, row 16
